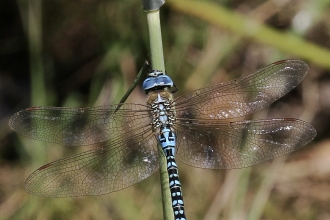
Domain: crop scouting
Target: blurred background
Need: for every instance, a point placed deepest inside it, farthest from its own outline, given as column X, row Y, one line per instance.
column 87, row 53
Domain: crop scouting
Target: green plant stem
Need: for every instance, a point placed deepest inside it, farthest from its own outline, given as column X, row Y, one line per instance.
column 143, row 71
column 155, row 39
column 157, row 63
column 166, row 195
column 31, row 13
column 38, row 95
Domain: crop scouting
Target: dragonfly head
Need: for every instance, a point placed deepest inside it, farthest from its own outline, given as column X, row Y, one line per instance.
column 157, row 80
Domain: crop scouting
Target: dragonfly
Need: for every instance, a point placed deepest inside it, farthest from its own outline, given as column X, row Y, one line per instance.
column 198, row 128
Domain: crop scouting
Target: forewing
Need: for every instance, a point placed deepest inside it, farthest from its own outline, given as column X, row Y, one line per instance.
column 228, row 145
column 114, row 166
column 81, row 126
column 242, row 96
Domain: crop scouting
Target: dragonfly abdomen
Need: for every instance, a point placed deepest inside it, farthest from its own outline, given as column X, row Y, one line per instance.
column 167, row 141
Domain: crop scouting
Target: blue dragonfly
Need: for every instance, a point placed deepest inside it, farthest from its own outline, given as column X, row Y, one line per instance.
column 198, row 128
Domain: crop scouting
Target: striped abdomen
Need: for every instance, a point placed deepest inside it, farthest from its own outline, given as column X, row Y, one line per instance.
column 167, row 141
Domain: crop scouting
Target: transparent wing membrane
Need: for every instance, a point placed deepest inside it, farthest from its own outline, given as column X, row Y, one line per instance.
column 111, row 167
column 244, row 95
column 127, row 156
column 79, row 126
column 215, row 144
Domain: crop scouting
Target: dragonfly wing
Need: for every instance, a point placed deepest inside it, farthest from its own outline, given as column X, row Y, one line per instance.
column 242, row 96
column 113, row 166
column 81, row 126
column 228, row 145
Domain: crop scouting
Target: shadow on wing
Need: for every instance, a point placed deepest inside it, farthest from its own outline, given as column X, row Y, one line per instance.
column 113, row 166
column 242, row 96
column 228, row 145
column 81, row 126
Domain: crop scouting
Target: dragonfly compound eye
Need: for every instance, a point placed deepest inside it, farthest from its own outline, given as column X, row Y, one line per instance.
column 157, row 81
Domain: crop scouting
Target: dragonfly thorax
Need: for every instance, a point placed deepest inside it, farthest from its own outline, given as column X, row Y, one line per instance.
column 163, row 113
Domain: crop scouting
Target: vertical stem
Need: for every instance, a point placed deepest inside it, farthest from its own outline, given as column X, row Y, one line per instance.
column 166, row 195
column 38, row 96
column 155, row 39
column 31, row 13
column 157, row 63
